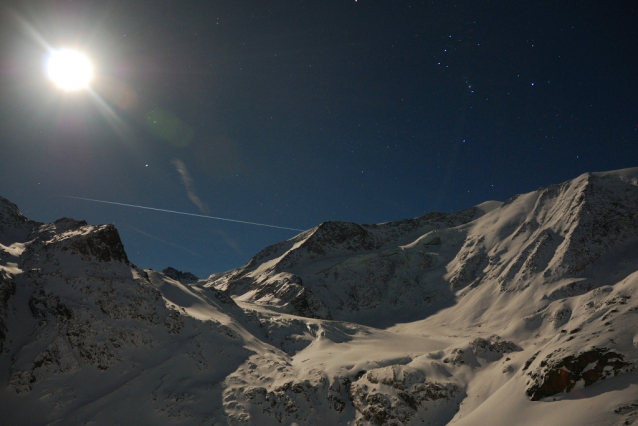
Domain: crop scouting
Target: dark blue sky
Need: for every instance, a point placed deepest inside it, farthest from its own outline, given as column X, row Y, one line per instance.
column 292, row 113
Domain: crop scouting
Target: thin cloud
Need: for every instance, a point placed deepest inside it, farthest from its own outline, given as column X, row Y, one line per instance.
column 188, row 183
column 166, row 242
column 230, row 241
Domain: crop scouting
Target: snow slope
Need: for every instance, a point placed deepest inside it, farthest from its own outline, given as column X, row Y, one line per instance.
column 521, row 312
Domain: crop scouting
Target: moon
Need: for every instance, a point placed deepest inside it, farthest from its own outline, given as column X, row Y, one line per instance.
column 69, row 69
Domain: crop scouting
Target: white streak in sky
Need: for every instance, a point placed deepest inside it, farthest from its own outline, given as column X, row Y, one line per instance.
column 187, row 214
column 188, row 183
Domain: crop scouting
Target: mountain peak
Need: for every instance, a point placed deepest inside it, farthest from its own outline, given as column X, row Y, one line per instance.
column 179, row 275
column 13, row 225
column 411, row 267
column 490, row 312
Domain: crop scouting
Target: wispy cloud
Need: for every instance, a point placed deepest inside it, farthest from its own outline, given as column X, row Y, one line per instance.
column 166, row 242
column 188, row 183
column 230, row 241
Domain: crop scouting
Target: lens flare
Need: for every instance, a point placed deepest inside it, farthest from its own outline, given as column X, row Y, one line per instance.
column 69, row 69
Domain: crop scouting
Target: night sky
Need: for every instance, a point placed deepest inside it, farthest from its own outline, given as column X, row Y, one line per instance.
column 291, row 113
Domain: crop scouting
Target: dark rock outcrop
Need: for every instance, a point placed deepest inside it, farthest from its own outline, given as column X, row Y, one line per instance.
column 556, row 373
column 493, row 344
column 70, row 237
column 396, row 394
column 7, row 289
column 179, row 275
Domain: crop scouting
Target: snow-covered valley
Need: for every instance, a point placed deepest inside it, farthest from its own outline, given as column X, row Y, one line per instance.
column 515, row 312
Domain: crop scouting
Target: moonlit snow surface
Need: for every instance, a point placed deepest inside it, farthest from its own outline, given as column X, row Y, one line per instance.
column 517, row 312
column 69, row 69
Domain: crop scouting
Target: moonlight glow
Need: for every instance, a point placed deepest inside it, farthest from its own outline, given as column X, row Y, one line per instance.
column 69, row 69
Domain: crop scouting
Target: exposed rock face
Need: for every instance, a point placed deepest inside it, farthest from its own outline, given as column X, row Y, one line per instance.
column 13, row 225
column 89, row 320
column 470, row 272
column 10, row 215
column 561, row 373
column 395, row 395
column 361, row 260
column 575, row 288
column 602, row 213
column 286, row 401
column 330, row 237
column 179, row 275
column 493, row 344
column 74, row 306
column 7, row 289
column 50, row 243
column 249, row 400
column 479, row 351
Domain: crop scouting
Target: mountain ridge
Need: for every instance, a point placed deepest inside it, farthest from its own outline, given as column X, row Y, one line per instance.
column 560, row 235
column 524, row 308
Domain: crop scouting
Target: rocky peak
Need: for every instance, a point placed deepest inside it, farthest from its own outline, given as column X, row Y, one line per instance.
column 179, row 275
column 9, row 212
column 329, row 238
column 533, row 297
column 76, row 238
column 544, row 236
column 13, row 225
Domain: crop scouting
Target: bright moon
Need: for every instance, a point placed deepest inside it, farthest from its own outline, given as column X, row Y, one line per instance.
column 69, row 69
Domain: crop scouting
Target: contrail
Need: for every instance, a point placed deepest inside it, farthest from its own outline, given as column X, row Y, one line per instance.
column 187, row 214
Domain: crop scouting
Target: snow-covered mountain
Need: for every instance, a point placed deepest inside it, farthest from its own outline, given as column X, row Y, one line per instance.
column 522, row 312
